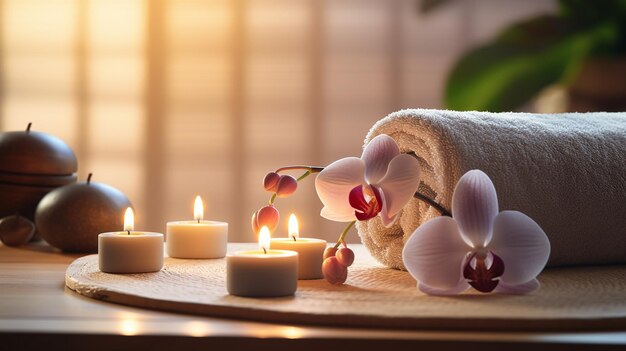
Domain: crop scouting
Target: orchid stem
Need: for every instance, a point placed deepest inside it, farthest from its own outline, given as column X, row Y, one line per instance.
column 312, row 169
column 306, row 174
column 426, row 199
column 433, row 203
column 343, row 234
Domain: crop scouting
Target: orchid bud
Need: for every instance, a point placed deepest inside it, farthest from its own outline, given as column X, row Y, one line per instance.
column 330, row 252
column 334, row 272
column 270, row 182
column 345, row 256
column 267, row 216
column 287, row 185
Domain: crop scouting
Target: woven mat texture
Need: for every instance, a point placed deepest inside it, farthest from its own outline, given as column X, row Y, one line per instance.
column 374, row 296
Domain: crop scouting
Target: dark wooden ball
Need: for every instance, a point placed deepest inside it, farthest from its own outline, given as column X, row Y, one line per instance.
column 71, row 217
column 32, row 164
column 35, row 153
column 21, row 198
column 16, row 230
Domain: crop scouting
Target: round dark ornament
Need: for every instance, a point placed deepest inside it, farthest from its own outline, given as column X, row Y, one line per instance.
column 71, row 217
column 16, row 230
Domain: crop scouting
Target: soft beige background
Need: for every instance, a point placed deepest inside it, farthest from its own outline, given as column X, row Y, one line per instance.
column 169, row 99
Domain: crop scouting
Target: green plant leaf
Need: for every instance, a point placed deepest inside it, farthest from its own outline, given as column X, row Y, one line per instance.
column 523, row 60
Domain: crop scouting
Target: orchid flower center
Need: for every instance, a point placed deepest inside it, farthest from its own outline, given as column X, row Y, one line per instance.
column 366, row 201
column 481, row 277
column 481, row 253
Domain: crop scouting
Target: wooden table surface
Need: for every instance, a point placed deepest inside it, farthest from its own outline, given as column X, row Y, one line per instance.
column 37, row 310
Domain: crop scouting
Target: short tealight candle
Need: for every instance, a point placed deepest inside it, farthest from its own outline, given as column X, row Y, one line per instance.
column 197, row 238
column 130, row 251
column 310, row 251
column 263, row 272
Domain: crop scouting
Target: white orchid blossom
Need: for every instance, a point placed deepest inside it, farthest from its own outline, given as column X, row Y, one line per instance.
column 479, row 247
column 381, row 182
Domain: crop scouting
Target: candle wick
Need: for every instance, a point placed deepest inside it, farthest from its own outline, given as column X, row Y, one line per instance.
column 128, row 232
column 198, row 220
column 264, row 251
column 294, row 237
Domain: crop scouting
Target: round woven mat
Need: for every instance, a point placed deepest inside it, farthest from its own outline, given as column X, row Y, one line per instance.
column 373, row 296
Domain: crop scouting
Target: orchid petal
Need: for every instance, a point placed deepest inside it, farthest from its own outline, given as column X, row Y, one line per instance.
column 400, row 183
column 333, row 215
column 459, row 288
column 387, row 220
column 333, row 186
column 522, row 245
column 524, row 288
column 377, row 155
column 435, row 253
column 474, row 206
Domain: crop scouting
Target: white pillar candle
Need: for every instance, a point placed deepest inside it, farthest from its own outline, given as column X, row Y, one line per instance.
column 197, row 238
column 129, row 251
column 262, row 273
column 310, row 251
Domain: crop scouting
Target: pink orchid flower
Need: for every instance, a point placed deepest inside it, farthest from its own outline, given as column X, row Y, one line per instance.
column 381, row 182
column 479, row 247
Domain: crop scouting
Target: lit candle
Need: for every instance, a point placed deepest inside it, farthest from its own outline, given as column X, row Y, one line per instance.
column 263, row 272
column 197, row 238
column 130, row 251
column 310, row 251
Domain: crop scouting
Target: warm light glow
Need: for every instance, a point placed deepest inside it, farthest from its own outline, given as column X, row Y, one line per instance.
column 292, row 332
column 198, row 209
column 294, row 231
column 197, row 329
column 264, row 238
column 129, row 220
column 129, row 327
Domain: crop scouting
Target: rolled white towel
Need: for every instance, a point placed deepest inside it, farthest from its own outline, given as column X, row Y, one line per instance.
column 566, row 171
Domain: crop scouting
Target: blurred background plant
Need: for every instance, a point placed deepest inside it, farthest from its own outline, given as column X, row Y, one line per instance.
column 574, row 60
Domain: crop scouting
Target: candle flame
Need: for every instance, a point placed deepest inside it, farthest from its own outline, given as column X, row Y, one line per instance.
column 294, row 231
column 264, row 239
column 129, row 220
column 198, row 209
